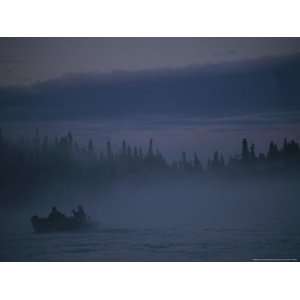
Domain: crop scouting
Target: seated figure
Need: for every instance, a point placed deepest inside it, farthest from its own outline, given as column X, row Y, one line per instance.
column 56, row 215
column 79, row 214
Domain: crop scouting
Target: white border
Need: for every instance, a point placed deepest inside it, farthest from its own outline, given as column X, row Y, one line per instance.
column 149, row 18
column 151, row 281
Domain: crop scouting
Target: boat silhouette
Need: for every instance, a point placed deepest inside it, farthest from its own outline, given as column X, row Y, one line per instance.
column 58, row 222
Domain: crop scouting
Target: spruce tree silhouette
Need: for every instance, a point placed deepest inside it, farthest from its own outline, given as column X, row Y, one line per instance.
column 129, row 152
column 197, row 164
column 285, row 147
column 273, row 151
column 183, row 160
column 135, row 153
column 124, row 149
column 252, row 152
column 222, row 161
column 245, row 151
column 109, row 153
column 216, row 162
column 70, row 138
column 91, row 146
column 150, row 149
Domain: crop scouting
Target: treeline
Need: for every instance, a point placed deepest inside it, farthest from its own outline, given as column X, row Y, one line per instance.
column 39, row 159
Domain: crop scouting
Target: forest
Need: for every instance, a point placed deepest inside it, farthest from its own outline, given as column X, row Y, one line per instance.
column 28, row 164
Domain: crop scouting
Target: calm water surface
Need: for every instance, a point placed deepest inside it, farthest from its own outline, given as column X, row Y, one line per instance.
column 153, row 244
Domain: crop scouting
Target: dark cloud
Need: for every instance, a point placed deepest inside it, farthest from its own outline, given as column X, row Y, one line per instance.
column 252, row 86
column 38, row 59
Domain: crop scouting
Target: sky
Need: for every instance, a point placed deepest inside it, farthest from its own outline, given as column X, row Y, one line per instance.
column 29, row 60
column 188, row 94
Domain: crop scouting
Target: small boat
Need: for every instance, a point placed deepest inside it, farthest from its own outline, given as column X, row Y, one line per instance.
column 60, row 223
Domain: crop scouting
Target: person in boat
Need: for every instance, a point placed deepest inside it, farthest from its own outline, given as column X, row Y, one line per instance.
column 56, row 215
column 80, row 214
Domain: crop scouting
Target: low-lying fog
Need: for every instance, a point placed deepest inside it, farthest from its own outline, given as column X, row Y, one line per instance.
column 169, row 203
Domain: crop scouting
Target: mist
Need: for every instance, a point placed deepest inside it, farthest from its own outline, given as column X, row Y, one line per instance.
column 163, row 203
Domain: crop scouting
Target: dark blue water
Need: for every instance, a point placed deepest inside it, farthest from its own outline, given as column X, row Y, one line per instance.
column 165, row 221
column 153, row 244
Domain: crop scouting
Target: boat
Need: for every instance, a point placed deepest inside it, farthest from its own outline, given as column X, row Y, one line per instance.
column 60, row 223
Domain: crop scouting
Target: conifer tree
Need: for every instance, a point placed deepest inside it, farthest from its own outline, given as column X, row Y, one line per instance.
column 124, row 148
column 222, row 161
column 135, row 153
column 129, row 152
column 245, row 150
column 109, row 153
column 273, row 151
column 91, row 146
column 183, row 157
column 216, row 159
column 285, row 146
column 197, row 163
column 150, row 149
column 70, row 138
column 252, row 152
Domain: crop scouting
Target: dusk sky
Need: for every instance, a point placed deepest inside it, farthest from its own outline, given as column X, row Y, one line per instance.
column 192, row 94
column 28, row 60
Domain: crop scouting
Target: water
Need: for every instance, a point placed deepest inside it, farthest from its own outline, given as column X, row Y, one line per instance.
column 165, row 221
column 183, row 243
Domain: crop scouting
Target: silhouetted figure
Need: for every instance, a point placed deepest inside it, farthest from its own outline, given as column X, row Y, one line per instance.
column 80, row 214
column 56, row 215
